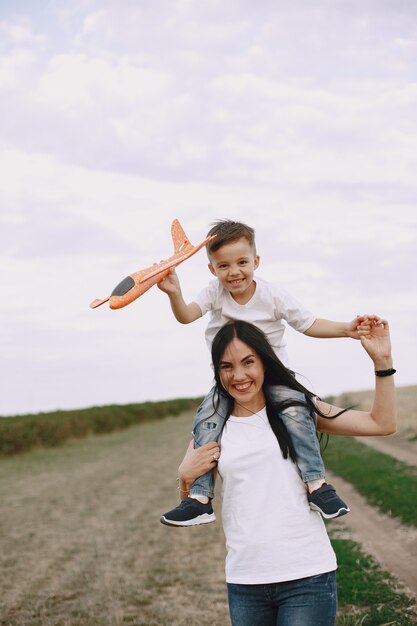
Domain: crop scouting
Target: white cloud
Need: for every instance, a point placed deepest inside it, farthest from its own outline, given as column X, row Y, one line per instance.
column 149, row 112
column 74, row 81
column 19, row 32
column 296, row 118
column 15, row 70
column 406, row 43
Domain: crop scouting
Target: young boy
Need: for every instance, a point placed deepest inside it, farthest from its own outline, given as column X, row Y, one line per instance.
column 235, row 294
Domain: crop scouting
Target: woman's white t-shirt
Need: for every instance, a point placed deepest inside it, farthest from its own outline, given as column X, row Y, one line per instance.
column 272, row 535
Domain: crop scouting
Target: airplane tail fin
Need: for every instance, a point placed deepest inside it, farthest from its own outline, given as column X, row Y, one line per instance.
column 180, row 239
column 97, row 302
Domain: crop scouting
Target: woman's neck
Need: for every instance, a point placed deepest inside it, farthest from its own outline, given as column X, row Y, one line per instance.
column 249, row 408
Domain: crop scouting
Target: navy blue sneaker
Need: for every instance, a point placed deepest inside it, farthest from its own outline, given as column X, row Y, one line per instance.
column 326, row 501
column 190, row 512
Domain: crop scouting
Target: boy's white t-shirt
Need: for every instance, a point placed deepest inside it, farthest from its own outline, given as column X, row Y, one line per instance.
column 272, row 535
column 267, row 309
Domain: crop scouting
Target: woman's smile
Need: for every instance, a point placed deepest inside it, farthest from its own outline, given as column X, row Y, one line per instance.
column 243, row 387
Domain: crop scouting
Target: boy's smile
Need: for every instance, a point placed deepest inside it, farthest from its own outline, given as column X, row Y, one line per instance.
column 234, row 265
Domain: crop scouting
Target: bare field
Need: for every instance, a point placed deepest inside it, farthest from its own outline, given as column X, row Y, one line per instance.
column 80, row 538
column 81, row 543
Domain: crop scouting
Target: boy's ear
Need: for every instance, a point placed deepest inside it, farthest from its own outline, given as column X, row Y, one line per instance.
column 212, row 270
column 256, row 261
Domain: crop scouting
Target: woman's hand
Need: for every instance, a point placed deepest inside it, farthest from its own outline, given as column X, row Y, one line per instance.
column 198, row 461
column 375, row 338
column 382, row 418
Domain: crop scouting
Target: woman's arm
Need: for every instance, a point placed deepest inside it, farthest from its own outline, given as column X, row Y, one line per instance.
column 382, row 418
column 196, row 462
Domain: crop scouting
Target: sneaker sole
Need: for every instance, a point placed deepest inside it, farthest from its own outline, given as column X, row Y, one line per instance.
column 206, row 518
column 338, row 513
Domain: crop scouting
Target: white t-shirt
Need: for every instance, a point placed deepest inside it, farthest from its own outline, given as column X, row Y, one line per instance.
column 267, row 309
column 272, row 535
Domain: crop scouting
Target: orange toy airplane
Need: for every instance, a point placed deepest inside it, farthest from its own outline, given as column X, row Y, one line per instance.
column 136, row 284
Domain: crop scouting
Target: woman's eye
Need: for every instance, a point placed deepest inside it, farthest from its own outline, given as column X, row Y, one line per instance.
column 249, row 362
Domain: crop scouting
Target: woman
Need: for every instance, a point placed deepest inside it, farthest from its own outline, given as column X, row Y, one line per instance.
column 280, row 566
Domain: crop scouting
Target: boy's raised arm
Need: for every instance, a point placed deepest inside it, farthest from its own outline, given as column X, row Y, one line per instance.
column 183, row 312
column 327, row 329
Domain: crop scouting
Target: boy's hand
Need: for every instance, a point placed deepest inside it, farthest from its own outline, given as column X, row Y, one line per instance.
column 170, row 284
column 361, row 323
column 353, row 327
column 184, row 313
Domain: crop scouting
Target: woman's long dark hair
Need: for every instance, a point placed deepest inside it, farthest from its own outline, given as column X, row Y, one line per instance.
column 275, row 374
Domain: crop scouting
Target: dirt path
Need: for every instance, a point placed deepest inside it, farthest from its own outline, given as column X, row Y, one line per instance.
column 403, row 450
column 393, row 545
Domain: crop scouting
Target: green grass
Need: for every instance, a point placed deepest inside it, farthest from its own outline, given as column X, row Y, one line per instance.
column 366, row 593
column 385, row 482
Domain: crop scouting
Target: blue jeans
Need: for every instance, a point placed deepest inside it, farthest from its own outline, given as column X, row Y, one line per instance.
column 301, row 427
column 310, row 601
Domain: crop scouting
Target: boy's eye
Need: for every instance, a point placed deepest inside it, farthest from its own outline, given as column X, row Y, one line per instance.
column 243, row 262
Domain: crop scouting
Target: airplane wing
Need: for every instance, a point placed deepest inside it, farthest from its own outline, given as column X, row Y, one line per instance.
column 162, row 267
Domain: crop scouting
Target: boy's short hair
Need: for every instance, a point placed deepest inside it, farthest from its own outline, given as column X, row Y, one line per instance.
column 227, row 231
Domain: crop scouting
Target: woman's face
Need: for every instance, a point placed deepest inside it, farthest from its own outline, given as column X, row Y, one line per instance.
column 242, row 375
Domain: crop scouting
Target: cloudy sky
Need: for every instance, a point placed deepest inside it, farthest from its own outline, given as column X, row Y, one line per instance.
column 297, row 117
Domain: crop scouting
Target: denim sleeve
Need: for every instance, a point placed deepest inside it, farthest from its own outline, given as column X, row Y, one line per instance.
column 210, row 418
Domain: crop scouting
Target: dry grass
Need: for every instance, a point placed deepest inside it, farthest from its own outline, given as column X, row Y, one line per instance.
column 81, row 543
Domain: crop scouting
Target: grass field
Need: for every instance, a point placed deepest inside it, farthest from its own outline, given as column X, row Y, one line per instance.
column 385, row 482
column 367, row 595
column 81, row 544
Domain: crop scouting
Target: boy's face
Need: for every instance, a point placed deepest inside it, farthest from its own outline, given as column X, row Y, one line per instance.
column 234, row 265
